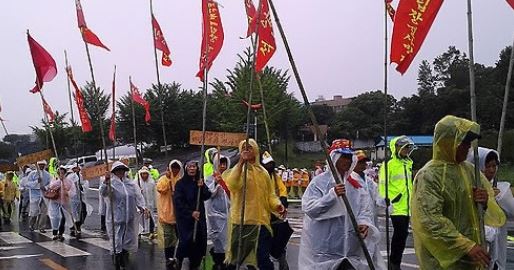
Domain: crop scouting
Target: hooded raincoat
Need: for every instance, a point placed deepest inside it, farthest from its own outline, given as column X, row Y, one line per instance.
column 217, row 210
column 37, row 203
column 444, row 215
column 79, row 206
column 497, row 237
column 165, row 208
column 61, row 205
column 400, row 181
column 328, row 236
column 208, row 166
column 127, row 203
column 148, row 191
column 260, row 202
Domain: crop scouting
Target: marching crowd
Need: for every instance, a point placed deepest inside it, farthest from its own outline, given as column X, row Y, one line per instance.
column 242, row 208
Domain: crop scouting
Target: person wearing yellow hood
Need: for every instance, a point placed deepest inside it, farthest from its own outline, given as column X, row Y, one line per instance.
column 399, row 170
column 445, row 217
column 260, row 203
column 208, row 165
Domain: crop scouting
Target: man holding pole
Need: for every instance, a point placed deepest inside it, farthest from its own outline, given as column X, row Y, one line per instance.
column 36, row 182
column 445, row 216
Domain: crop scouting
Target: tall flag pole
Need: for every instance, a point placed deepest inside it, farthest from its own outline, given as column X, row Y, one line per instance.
column 473, row 103
column 3, row 124
column 133, row 92
column 323, row 143
column 212, row 42
column 159, row 43
column 112, row 129
column 69, row 87
column 46, row 70
column 412, row 22
column 506, row 94
column 388, row 12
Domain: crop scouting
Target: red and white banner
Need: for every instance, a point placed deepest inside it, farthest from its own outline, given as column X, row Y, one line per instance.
column 212, row 38
column 138, row 98
column 79, row 100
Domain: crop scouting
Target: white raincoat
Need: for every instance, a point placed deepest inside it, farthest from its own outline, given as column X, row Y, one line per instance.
column 217, row 209
column 328, row 236
column 127, row 199
column 148, row 191
column 37, row 203
column 497, row 237
column 80, row 194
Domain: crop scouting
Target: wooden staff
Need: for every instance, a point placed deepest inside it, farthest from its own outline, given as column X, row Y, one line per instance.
column 505, row 102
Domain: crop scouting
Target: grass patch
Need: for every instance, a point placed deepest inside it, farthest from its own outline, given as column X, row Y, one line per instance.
column 295, row 158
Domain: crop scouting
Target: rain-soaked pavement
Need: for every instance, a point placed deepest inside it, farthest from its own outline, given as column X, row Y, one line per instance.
column 21, row 249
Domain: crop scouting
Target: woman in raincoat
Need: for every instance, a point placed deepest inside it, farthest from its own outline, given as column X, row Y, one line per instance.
column 445, row 221
column 127, row 204
column 147, row 185
column 217, row 209
column 79, row 207
column 8, row 192
column 497, row 237
column 60, row 207
column 185, row 200
column 38, row 209
column 166, row 209
column 328, row 239
column 260, row 203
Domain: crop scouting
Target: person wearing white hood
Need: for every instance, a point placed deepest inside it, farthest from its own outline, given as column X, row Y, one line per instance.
column 328, row 241
column 59, row 207
column 79, row 206
column 217, row 209
column 496, row 237
column 127, row 200
column 147, row 186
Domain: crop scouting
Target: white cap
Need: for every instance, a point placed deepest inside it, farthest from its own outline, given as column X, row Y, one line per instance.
column 119, row 165
column 41, row 162
column 266, row 158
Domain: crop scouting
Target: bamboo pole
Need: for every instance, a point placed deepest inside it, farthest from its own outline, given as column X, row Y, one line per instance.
column 69, row 88
column 322, row 138
column 505, row 102
column 474, row 118
column 161, row 102
column 386, row 111
column 134, row 130
column 47, row 122
column 3, row 126
column 264, row 114
column 113, row 117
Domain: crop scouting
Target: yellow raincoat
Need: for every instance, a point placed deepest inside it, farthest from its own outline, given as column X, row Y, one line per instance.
column 261, row 201
column 444, row 216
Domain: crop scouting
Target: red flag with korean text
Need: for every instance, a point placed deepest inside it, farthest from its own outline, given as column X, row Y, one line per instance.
column 48, row 111
column 79, row 100
column 251, row 14
column 412, row 23
column 212, row 38
column 160, row 43
column 390, row 9
column 112, row 128
column 87, row 35
column 511, row 3
column 44, row 64
column 138, row 98
column 266, row 46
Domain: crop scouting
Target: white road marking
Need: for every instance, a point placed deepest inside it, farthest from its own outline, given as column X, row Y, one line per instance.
column 10, row 248
column 94, row 189
column 99, row 242
column 407, row 251
column 415, row 266
column 20, row 256
column 13, row 238
column 62, row 249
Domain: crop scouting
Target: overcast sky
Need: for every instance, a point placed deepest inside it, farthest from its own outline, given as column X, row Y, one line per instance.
column 338, row 45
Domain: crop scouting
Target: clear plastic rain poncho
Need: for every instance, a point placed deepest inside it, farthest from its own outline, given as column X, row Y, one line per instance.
column 128, row 201
column 37, row 203
column 444, row 216
column 217, row 209
column 61, row 205
column 148, row 191
column 328, row 236
column 497, row 237
column 77, row 207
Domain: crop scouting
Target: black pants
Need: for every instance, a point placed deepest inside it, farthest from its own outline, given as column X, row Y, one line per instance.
column 400, row 234
column 61, row 225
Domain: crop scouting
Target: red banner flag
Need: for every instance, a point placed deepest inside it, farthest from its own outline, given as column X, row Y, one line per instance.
column 390, row 9
column 87, row 35
column 212, row 39
column 160, row 43
column 266, row 43
column 79, row 100
column 112, row 128
column 48, row 111
column 251, row 14
column 411, row 25
column 45, row 66
column 511, row 3
column 137, row 98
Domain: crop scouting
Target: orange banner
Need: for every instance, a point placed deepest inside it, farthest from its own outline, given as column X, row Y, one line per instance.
column 34, row 157
column 216, row 138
